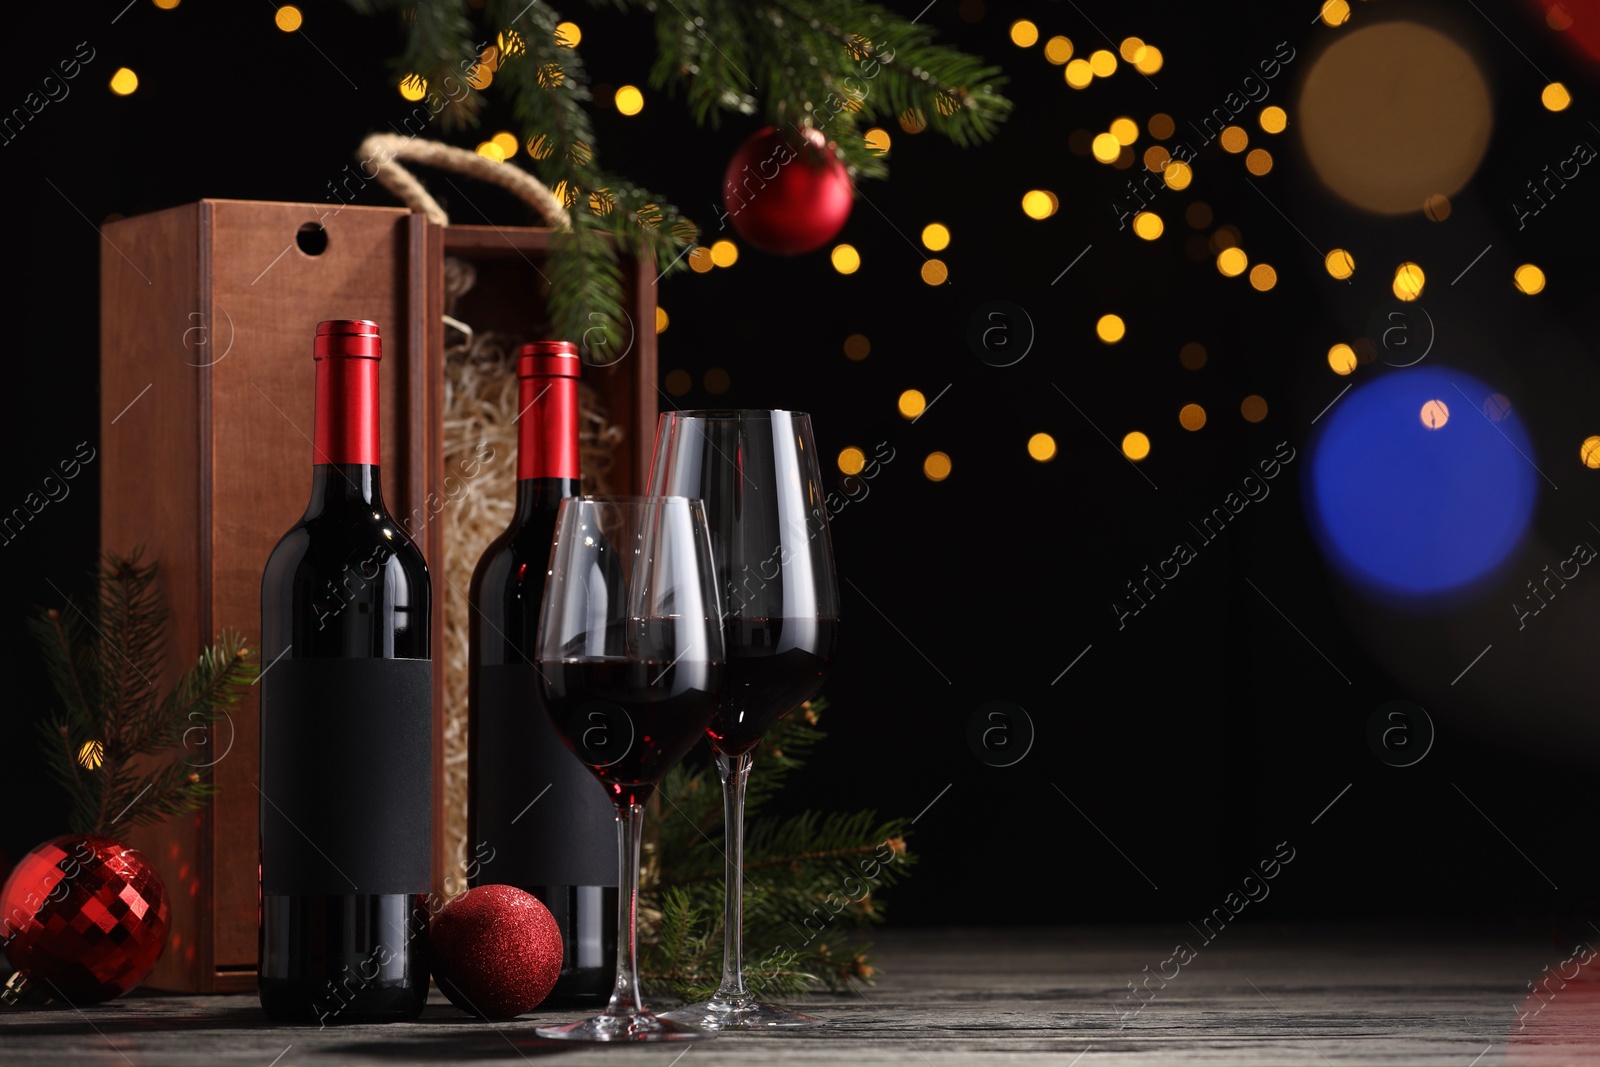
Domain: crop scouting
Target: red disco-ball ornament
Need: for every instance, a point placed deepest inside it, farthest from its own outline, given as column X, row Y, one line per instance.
column 786, row 191
column 82, row 918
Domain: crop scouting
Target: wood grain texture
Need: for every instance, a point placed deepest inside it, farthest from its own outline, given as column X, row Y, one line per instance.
column 1257, row 996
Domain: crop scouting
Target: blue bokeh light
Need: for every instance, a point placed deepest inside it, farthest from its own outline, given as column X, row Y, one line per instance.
column 1414, row 511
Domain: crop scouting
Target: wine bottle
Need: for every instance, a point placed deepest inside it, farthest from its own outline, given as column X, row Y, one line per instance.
column 346, row 727
column 537, row 817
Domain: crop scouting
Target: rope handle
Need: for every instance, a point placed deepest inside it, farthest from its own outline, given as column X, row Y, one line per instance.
column 383, row 149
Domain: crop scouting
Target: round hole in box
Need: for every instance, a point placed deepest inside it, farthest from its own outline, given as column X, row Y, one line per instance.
column 312, row 239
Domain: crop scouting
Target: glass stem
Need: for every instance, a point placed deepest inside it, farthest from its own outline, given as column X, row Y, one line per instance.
column 735, row 772
column 625, row 998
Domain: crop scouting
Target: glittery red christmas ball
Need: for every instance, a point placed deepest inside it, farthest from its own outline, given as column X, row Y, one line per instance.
column 786, row 191
column 496, row 951
column 83, row 918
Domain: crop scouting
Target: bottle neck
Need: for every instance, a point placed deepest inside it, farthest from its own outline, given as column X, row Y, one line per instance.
column 547, row 429
column 346, row 411
column 542, row 495
column 336, row 485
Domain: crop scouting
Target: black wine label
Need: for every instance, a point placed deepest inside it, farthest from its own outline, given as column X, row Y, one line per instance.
column 346, row 776
column 545, row 814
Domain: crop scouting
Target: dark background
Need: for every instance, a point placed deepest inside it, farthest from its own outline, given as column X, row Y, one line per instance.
column 1178, row 751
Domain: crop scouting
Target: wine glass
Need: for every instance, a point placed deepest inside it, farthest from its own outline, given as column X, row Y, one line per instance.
column 630, row 658
column 758, row 476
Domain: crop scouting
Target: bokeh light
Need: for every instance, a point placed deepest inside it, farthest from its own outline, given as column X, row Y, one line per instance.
column 1232, row 262
column 1125, row 130
column 1161, row 126
column 1105, row 147
column 1058, row 50
column 1408, row 281
column 91, row 754
column 845, row 259
column 678, row 382
column 935, row 237
column 1393, row 112
column 1150, row 60
column 1589, row 452
column 1191, row 416
column 700, row 260
column 1042, row 447
column 662, row 321
column 716, row 381
column 124, row 81
column 913, row 121
column 1528, row 279
column 934, row 272
column 1335, row 12
column 1342, row 358
column 1340, row 264
column 1130, row 48
column 288, row 19
column 1103, row 63
column 167, row 5
column 1110, row 329
column 1178, row 175
column 852, row 460
column 1434, row 414
column 1258, row 162
column 1136, row 446
column 1555, row 97
column 936, row 468
column 857, row 347
column 1405, row 510
column 1024, row 34
column 568, row 35
column 1079, row 74
column 506, row 142
column 1253, row 408
column 1147, row 224
column 912, row 403
column 1274, row 119
column 1192, row 355
column 1263, row 277
column 1436, row 207
column 1039, row 203
column 1156, row 158
column 1234, row 139
column 724, row 253
column 877, row 139
column 629, row 100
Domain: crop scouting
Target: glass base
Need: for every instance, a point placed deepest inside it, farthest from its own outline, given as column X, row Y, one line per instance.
column 739, row 1013
column 625, row 1026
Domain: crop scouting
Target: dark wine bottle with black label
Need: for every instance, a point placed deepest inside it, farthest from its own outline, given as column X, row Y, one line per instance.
column 346, row 727
column 537, row 817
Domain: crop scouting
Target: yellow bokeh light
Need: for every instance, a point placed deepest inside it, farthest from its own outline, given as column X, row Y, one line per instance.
column 662, row 321
column 1125, row 130
column 1024, row 34
column 1436, row 207
column 912, row 403
column 1149, row 60
column 845, row 258
column 124, row 81
column 700, row 260
column 568, row 35
column 1105, row 147
column 935, row 237
column 510, row 43
column 1039, row 203
column 480, row 77
column 91, row 753
column 1232, row 262
column 857, row 347
column 1079, row 74
column 507, row 143
column 724, row 253
column 1335, row 12
column 1178, row 175
column 413, row 87
column 934, row 272
column 1130, row 48
column 288, row 18
column 852, row 460
column 1042, row 447
column 1191, row 416
column 1136, row 446
column 1274, row 119
column 1258, row 162
column 1589, row 452
column 1342, row 358
column 936, row 468
column 629, row 100
column 1528, row 279
column 1263, row 277
column 912, row 120
column 1161, row 126
column 1434, row 414
column 490, row 150
column 1103, row 63
column 1555, row 97
column 1156, row 158
column 1253, row 408
column 1110, row 328
column 1147, row 224
column 1340, row 264
column 1058, row 50
column 878, row 139
column 1408, row 281
column 166, row 5
column 1234, row 139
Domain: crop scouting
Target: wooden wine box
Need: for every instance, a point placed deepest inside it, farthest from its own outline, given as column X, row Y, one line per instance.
column 206, row 392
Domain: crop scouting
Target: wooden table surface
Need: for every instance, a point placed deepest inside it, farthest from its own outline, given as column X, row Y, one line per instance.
column 1316, row 996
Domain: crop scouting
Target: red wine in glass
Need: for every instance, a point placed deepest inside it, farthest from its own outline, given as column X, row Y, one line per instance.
column 774, row 666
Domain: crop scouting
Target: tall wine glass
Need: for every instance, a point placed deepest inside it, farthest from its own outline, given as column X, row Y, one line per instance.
column 630, row 659
column 759, row 478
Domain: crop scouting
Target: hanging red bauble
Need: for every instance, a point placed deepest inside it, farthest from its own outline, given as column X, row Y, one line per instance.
column 786, row 191
column 83, row 918
column 496, row 951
